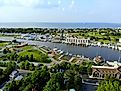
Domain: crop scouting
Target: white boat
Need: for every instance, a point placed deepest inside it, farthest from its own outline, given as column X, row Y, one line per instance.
column 70, row 54
column 61, row 52
column 58, row 50
column 67, row 53
column 55, row 49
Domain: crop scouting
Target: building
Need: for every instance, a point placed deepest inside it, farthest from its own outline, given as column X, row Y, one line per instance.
column 72, row 90
column 21, row 45
column 99, row 43
column 98, row 59
column 52, row 53
column 29, row 36
column 18, row 78
column 112, row 69
column 120, row 40
column 57, row 39
column 14, row 74
column 46, row 37
column 76, row 40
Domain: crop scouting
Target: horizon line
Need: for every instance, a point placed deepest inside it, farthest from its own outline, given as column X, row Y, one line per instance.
column 66, row 22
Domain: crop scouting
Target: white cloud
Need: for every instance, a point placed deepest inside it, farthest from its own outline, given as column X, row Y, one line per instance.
column 59, row 2
column 49, row 3
column 63, row 9
column 29, row 3
column 72, row 3
column 26, row 3
column 8, row 2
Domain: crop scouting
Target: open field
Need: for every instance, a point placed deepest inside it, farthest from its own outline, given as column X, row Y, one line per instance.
column 35, row 52
column 3, row 44
column 11, row 35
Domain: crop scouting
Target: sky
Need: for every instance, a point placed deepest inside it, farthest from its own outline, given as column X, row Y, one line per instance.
column 104, row 11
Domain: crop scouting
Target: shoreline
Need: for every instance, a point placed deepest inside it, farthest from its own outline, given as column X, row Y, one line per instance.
column 83, row 49
column 65, row 25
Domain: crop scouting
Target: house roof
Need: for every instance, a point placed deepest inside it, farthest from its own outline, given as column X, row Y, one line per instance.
column 72, row 90
column 14, row 72
column 104, row 67
column 19, row 77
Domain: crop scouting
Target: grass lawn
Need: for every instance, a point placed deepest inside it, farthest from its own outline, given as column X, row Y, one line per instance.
column 96, row 34
column 27, row 47
column 29, row 50
column 104, row 41
column 32, row 50
column 100, row 36
column 3, row 44
column 3, row 35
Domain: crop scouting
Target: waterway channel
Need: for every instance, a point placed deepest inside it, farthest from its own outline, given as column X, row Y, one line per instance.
column 91, row 52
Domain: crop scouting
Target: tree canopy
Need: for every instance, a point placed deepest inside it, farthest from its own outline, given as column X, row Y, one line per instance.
column 110, row 84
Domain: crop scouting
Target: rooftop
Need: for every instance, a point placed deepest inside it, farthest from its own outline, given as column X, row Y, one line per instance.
column 104, row 67
column 19, row 77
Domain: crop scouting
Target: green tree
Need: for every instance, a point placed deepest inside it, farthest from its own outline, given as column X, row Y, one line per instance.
column 27, row 57
column 26, row 65
column 73, row 80
column 28, row 87
column 1, row 71
column 89, row 70
column 31, row 67
column 52, row 86
column 31, row 58
column 22, row 65
column 20, row 58
column 110, row 84
column 55, row 83
column 10, row 86
column 5, row 51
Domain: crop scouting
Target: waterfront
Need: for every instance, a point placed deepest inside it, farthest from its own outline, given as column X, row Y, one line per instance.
column 91, row 52
column 60, row 45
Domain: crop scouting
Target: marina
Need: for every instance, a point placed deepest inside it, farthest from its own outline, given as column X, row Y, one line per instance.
column 90, row 51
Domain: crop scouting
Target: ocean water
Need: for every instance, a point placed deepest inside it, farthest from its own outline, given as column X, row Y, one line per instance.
column 59, row 25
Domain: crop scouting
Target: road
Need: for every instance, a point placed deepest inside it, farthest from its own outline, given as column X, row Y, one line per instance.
column 88, row 85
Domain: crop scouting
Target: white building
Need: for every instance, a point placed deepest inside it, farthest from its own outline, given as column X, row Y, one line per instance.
column 120, row 40
column 45, row 37
column 99, row 43
column 29, row 36
column 77, row 41
column 112, row 69
column 18, row 78
column 14, row 74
